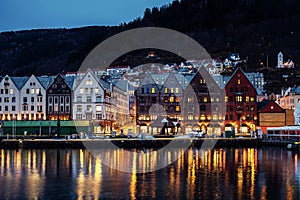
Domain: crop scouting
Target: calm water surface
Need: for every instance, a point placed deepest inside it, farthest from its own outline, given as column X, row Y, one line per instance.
column 241, row 173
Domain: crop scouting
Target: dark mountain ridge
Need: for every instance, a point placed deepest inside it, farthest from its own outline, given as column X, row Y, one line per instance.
column 257, row 29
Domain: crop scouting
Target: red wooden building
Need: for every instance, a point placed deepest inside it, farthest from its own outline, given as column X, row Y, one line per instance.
column 241, row 107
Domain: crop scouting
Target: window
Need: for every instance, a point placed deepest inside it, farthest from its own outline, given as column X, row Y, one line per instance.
column 13, row 108
column 50, row 100
column 190, row 99
column 96, row 91
column 89, row 108
column 81, row 90
column 172, row 90
column 212, row 99
column 6, row 99
column 11, row 91
column 32, row 108
column 247, row 98
column 79, row 108
column 153, row 99
column 89, row 99
column 98, row 108
column 215, row 117
column 153, row 90
column 78, row 116
column 39, row 99
column 202, row 117
column 50, row 108
column 98, row 99
column 190, row 117
column 6, row 108
column 252, row 99
column 1, row 91
column 177, row 108
column 6, row 91
column 67, row 100
column 177, row 100
column 32, row 99
column 166, row 90
column 239, row 98
column 55, row 100
column 25, row 107
column 86, row 90
column 99, row 116
column 89, row 82
column 39, row 108
column 61, row 100
column 37, row 90
column 79, row 98
column 32, row 91
column 171, row 99
column 239, row 81
column 0, row 99
column 205, row 99
column 202, row 108
column 61, row 108
column 166, row 99
column 67, row 108
column 176, row 90
column 91, row 90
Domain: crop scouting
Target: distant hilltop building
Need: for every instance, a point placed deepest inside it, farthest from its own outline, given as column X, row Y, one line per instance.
column 282, row 64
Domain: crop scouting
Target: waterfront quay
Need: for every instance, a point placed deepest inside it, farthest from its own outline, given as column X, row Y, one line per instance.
column 31, row 143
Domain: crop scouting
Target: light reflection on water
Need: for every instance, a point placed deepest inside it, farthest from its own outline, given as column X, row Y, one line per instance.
column 241, row 173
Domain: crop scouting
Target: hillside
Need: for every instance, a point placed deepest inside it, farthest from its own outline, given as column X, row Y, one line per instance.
column 256, row 29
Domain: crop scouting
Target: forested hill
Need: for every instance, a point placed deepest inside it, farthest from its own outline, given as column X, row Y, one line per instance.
column 254, row 28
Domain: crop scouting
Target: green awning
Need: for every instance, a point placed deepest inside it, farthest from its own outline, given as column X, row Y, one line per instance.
column 45, row 123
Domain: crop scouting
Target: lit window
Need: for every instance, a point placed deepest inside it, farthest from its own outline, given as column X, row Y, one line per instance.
column 171, row 99
column 98, row 108
column 89, row 82
column 32, row 91
column 190, row 99
column 177, row 99
column 252, row 99
column 81, row 91
column 217, row 99
column 166, row 90
column 177, row 90
column 226, row 98
column 172, row 90
column 205, row 99
column 212, row 99
column 177, row 108
column 37, row 90
column 239, row 98
column 202, row 117
column 215, row 117
column 190, row 117
column 247, row 98
column 239, row 81
column 11, row 91
column 96, row 91
column 153, row 90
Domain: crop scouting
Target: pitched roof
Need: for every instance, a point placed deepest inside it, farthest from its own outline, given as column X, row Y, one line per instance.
column 121, row 84
column 19, row 81
column 69, row 81
column 270, row 106
column 45, row 81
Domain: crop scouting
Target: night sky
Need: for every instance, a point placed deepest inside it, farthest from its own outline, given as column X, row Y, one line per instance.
column 33, row 14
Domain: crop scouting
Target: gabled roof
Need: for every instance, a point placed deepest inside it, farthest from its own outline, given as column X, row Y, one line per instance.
column 104, row 84
column 121, row 84
column 270, row 106
column 45, row 81
column 69, row 80
column 235, row 72
column 19, row 81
